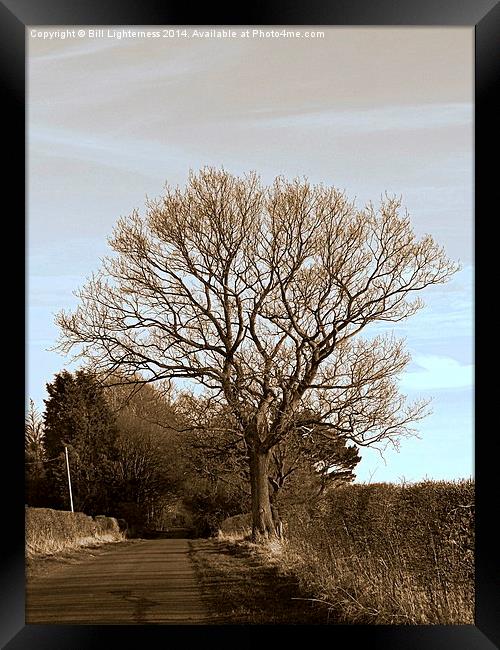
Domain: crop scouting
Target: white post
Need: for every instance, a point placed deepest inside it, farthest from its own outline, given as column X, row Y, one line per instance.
column 69, row 479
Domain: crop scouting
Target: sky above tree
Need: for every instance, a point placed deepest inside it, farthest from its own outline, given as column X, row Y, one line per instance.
column 367, row 110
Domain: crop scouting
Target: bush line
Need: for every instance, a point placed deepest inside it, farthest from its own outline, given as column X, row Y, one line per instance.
column 53, row 531
column 388, row 554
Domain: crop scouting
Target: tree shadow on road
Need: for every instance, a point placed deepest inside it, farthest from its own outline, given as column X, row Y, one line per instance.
column 241, row 586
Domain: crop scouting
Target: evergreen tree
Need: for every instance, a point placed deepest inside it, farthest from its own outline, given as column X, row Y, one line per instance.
column 78, row 416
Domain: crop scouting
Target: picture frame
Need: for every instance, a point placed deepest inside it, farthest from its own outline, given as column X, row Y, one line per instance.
column 481, row 15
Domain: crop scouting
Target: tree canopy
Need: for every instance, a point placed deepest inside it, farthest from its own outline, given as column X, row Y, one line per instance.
column 258, row 294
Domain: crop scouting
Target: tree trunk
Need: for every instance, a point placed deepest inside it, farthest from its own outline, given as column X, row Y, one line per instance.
column 273, row 497
column 262, row 519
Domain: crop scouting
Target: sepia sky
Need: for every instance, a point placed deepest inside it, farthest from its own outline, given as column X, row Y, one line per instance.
column 369, row 110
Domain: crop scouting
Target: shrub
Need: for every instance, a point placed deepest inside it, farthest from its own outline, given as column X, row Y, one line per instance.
column 52, row 531
column 237, row 526
column 106, row 525
column 210, row 508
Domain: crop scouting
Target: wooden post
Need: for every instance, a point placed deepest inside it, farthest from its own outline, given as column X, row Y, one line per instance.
column 69, row 479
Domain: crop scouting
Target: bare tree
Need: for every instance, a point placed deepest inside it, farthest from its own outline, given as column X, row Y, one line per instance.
column 147, row 468
column 256, row 293
column 33, row 434
column 216, row 449
column 34, row 457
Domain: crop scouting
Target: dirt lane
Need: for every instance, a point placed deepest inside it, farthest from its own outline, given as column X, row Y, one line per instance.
column 151, row 581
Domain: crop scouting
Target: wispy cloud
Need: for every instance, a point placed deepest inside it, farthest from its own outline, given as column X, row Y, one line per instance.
column 73, row 50
column 435, row 372
column 54, row 292
column 386, row 118
column 143, row 156
column 448, row 314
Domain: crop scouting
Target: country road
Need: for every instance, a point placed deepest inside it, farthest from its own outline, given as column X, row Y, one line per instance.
column 147, row 582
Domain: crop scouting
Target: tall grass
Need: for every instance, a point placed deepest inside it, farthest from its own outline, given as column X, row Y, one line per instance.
column 52, row 531
column 389, row 554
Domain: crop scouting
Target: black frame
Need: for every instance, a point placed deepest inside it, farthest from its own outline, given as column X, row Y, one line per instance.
column 484, row 15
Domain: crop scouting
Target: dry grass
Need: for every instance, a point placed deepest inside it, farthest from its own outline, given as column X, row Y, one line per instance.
column 243, row 584
column 370, row 589
column 389, row 554
column 50, row 532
